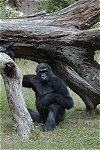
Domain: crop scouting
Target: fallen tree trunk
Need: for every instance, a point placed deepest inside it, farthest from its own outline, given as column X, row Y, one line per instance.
column 13, row 85
column 65, row 41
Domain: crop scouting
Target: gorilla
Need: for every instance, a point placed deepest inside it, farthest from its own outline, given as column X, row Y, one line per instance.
column 52, row 97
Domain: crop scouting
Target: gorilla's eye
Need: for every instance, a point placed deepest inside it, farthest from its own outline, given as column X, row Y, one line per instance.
column 43, row 71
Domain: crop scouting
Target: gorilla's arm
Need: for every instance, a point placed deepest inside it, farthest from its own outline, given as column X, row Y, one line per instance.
column 27, row 81
column 62, row 94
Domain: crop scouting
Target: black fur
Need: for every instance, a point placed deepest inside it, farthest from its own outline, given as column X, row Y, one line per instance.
column 52, row 97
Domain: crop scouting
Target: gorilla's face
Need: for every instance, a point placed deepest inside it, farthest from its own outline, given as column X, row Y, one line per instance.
column 44, row 72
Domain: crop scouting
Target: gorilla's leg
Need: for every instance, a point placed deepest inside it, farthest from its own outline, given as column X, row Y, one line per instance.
column 35, row 116
column 51, row 114
column 56, row 114
column 60, row 115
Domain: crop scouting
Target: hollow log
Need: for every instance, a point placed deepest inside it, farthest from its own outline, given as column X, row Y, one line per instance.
column 65, row 40
column 13, row 85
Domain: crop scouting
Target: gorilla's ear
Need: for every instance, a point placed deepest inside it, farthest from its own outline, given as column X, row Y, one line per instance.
column 49, row 68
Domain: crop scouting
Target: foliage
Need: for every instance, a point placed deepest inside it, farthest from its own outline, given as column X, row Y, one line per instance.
column 97, row 56
column 97, row 52
column 54, row 5
column 6, row 11
column 79, row 131
column 96, row 25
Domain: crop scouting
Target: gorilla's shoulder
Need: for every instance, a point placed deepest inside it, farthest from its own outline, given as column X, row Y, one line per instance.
column 56, row 79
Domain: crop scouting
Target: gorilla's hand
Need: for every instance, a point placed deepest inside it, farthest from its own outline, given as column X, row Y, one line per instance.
column 44, row 103
column 46, row 100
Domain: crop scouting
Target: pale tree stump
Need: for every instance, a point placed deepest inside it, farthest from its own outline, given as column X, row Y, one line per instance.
column 13, row 84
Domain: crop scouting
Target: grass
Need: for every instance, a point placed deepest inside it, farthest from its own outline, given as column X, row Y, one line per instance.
column 79, row 131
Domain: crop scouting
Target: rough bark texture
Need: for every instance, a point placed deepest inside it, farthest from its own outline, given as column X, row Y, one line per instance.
column 66, row 41
column 13, row 85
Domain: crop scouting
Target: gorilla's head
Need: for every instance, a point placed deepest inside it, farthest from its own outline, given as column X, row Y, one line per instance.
column 44, row 72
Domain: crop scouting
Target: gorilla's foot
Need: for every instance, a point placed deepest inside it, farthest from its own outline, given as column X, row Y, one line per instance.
column 50, row 123
column 43, row 127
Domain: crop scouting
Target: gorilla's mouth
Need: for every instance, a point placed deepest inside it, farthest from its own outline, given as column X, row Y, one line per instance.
column 44, row 76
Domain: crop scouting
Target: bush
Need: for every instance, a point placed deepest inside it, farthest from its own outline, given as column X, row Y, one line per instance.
column 54, row 5
column 6, row 11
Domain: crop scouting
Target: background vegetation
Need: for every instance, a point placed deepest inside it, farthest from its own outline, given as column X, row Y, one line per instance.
column 8, row 12
column 79, row 131
column 54, row 5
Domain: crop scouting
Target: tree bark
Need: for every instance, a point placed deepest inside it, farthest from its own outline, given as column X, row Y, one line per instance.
column 13, row 85
column 63, row 39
